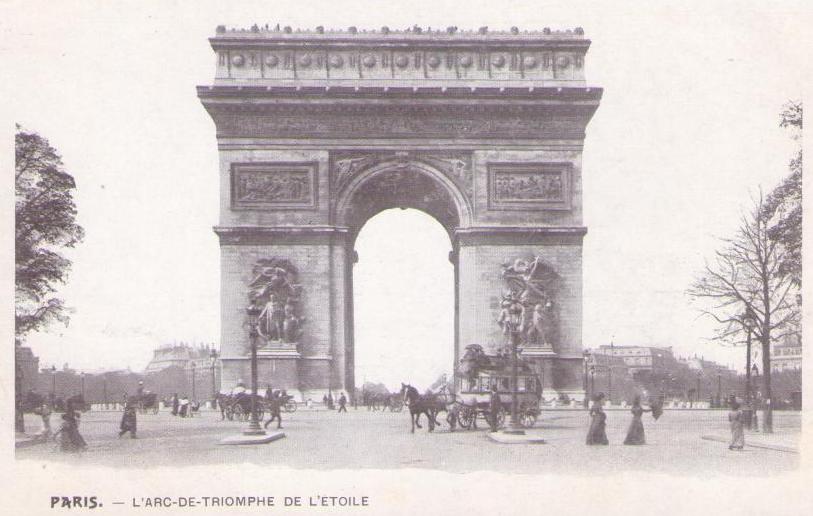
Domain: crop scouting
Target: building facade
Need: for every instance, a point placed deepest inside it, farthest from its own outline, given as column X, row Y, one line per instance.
column 786, row 355
column 640, row 358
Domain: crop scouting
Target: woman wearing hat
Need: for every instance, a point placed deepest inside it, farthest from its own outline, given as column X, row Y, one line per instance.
column 735, row 419
column 635, row 434
column 598, row 422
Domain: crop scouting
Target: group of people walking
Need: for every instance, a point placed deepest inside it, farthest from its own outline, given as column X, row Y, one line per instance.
column 597, row 433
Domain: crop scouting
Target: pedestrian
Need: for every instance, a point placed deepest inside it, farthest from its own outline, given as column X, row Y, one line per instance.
column 494, row 407
column 175, row 404
column 342, row 403
column 635, row 434
column 597, row 434
column 274, row 405
column 451, row 414
column 70, row 440
column 735, row 419
column 128, row 422
column 183, row 406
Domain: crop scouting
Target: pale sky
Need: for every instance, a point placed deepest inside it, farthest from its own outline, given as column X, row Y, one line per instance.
column 687, row 129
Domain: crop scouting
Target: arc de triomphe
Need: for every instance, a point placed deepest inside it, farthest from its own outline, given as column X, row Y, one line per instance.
column 319, row 131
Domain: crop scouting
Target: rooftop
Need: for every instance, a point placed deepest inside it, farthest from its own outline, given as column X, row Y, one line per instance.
column 413, row 33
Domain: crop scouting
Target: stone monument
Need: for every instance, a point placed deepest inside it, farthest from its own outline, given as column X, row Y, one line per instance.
column 319, row 131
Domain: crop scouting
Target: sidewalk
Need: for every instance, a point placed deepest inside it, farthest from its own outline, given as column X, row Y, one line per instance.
column 776, row 442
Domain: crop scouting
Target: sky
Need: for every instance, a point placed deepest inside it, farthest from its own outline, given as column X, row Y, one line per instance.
column 686, row 132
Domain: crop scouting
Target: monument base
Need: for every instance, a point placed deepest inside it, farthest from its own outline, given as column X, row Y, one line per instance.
column 252, row 439
column 510, row 438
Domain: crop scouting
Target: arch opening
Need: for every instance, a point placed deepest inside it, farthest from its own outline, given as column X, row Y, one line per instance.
column 403, row 287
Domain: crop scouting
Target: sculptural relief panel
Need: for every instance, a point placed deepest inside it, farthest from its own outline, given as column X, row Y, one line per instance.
column 273, row 185
column 529, row 186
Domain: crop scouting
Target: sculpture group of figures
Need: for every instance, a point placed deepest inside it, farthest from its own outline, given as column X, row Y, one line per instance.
column 275, row 291
column 528, row 307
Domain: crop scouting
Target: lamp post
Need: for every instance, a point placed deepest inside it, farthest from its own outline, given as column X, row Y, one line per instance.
column 586, row 354
column 719, row 390
column 254, row 427
column 53, row 383
column 699, row 375
column 193, row 380
column 748, row 322
column 515, row 312
column 104, row 389
column 82, row 379
column 592, row 380
column 213, row 362
column 610, row 372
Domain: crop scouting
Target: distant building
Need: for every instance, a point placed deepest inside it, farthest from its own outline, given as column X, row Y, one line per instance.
column 786, row 355
column 639, row 358
column 184, row 369
column 707, row 367
column 180, row 355
column 27, row 367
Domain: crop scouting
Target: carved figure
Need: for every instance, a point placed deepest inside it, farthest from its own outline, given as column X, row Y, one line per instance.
column 530, row 300
column 290, row 330
column 275, row 290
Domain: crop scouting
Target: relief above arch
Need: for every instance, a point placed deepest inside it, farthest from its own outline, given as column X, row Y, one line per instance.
column 456, row 166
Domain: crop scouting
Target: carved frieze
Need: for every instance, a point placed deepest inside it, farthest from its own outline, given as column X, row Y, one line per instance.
column 457, row 166
column 273, row 185
column 529, row 186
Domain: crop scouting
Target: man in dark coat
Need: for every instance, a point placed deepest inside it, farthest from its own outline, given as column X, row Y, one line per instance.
column 175, row 404
column 494, row 406
column 128, row 422
column 342, row 403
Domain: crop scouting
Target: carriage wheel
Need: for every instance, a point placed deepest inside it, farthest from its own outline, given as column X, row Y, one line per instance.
column 290, row 406
column 466, row 417
column 527, row 419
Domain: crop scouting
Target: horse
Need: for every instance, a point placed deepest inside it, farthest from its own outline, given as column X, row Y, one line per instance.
column 418, row 404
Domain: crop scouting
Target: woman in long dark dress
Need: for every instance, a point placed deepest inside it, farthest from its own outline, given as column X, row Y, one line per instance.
column 598, row 422
column 635, row 434
column 70, row 440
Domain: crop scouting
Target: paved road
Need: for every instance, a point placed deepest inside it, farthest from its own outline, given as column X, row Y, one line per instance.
column 362, row 439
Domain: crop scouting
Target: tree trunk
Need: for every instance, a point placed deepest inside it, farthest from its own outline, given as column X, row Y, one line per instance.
column 767, row 414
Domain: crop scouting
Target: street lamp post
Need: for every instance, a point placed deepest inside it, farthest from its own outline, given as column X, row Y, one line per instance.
column 213, row 362
column 193, row 381
column 592, row 381
column 515, row 319
column 748, row 321
column 53, row 382
column 82, row 379
column 699, row 375
column 719, row 390
column 586, row 354
column 254, row 427
column 104, row 390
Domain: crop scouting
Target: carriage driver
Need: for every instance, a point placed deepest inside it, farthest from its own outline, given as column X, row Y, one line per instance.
column 238, row 390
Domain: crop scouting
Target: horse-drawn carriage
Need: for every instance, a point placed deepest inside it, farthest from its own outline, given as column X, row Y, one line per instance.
column 474, row 387
column 146, row 402
column 239, row 407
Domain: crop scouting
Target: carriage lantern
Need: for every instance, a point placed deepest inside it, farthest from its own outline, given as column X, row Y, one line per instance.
column 254, row 427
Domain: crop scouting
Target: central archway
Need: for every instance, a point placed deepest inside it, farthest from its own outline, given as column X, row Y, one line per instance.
column 403, row 300
column 397, row 184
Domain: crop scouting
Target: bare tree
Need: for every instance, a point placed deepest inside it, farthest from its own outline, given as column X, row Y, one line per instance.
column 746, row 291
